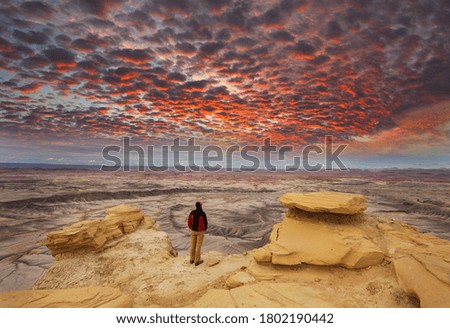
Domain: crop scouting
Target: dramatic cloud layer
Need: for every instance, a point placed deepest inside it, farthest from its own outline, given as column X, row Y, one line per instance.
column 232, row 71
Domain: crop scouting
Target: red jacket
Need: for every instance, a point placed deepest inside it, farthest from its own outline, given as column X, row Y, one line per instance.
column 197, row 221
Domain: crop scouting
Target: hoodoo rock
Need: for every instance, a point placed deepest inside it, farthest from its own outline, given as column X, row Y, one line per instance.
column 318, row 229
column 93, row 234
column 325, row 202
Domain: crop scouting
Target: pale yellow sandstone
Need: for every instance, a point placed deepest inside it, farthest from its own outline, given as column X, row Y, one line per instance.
column 212, row 262
column 312, row 260
column 295, row 242
column 91, row 297
column 416, row 280
column 93, row 234
column 238, row 279
column 325, row 202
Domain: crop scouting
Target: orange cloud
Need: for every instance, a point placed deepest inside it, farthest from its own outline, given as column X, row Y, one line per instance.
column 421, row 131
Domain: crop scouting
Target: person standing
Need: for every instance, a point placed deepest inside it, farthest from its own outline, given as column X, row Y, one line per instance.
column 198, row 224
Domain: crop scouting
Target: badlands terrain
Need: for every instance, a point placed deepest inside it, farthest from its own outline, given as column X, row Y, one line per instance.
column 242, row 251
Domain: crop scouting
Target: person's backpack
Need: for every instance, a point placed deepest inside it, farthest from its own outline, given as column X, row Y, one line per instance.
column 196, row 221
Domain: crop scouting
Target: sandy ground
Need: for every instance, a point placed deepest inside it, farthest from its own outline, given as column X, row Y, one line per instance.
column 241, row 207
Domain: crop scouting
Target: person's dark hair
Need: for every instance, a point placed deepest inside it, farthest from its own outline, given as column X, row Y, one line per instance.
column 198, row 205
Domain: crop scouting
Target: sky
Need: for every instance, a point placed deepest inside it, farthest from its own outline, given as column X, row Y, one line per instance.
column 78, row 75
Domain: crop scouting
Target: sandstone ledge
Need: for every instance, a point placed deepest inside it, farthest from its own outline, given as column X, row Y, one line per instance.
column 416, row 280
column 90, row 297
column 93, row 234
column 325, row 202
column 319, row 229
column 294, row 242
column 308, row 263
column 144, row 265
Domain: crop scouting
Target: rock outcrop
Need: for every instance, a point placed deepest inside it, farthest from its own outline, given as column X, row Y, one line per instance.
column 295, row 242
column 142, row 264
column 92, row 297
column 307, row 235
column 93, row 234
column 420, row 262
column 416, row 280
column 313, row 259
column 325, row 202
column 311, row 286
column 238, row 279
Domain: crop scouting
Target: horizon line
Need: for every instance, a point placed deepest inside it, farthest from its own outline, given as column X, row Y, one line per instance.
column 188, row 170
